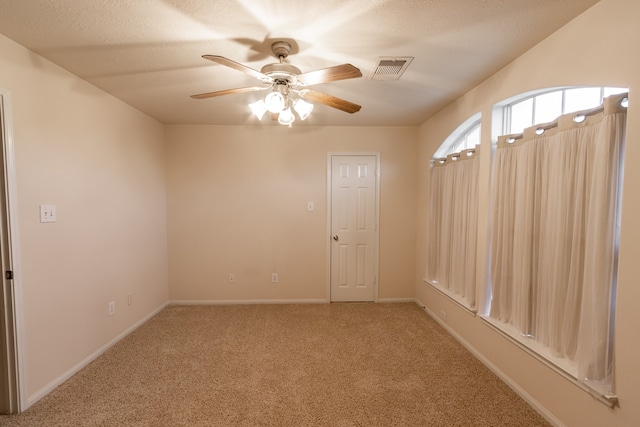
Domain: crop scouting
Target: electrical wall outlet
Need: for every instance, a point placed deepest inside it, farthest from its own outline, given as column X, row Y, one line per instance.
column 48, row 213
column 232, row 278
column 130, row 298
column 274, row 277
column 443, row 314
column 111, row 310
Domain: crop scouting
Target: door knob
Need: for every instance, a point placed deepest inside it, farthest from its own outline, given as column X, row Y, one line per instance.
column 335, row 237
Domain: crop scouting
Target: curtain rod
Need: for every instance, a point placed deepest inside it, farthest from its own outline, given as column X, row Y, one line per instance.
column 578, row 118
column 455, row 156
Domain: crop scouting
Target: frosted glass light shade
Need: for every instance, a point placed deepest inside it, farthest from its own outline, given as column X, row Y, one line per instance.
column 286, row 117
column 274, row 102
column 258, row 108
column 303, row 108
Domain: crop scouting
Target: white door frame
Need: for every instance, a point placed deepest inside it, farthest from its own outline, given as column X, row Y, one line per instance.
column 329, row 211
column 15, row 332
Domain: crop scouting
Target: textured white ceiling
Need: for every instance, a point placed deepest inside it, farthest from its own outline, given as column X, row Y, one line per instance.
column 148, row 52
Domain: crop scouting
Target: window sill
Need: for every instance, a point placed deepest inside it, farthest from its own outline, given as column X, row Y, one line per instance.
column 540, row 351
column 533, row 348
column 544, row 355
column 454, row 297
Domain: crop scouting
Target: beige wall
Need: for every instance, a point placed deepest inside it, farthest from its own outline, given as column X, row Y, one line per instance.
column 237, row 200
column 236, row 203
column 102, row 164
column 610, row 31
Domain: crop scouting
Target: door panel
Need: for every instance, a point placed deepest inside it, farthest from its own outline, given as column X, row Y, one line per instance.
column 353, row 227
column 9, row 393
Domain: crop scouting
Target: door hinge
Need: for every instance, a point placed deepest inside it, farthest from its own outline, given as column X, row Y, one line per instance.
column 8, row 275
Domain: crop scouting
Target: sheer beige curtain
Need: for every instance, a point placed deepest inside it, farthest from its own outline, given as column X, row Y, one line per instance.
column 453, row 197
column 553, row 256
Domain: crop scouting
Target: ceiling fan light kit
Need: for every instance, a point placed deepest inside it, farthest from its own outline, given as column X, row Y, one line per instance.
column 274, row 102
column 303, row 108
column 286, row 117
column 258, row 108
column 287, row 84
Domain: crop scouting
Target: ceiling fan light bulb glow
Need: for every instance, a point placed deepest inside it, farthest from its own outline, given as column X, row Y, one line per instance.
column 286, row 117
column 258, row 108
column 274, row 102
column 303, row 108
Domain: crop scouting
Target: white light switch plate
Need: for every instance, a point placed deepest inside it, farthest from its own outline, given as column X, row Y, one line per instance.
column 47, row 213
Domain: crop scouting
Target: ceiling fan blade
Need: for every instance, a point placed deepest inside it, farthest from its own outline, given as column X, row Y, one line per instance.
column 330, row 101
column 237, row 66
column 331, row 74
column 227, row 92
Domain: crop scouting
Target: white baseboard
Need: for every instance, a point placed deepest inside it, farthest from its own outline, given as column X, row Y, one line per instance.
column 275, row 301
column 389, row 300
column 68, row 374
column 244, row 302
column 537, row 406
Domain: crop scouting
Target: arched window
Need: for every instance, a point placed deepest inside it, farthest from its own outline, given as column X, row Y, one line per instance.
column 555, row 188
column 466, row 136
column 546, row 106
column 453, row 208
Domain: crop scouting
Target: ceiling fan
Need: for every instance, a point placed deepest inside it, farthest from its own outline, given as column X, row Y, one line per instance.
column 288, row 86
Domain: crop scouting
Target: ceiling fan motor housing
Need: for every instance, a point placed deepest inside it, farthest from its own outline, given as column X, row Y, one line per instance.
column 282, row 71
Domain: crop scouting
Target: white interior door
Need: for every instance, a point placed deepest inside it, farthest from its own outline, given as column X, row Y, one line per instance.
column 354, row 255
column 10, row 394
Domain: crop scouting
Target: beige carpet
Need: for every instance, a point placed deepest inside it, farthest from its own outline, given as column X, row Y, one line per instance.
column 284, row 365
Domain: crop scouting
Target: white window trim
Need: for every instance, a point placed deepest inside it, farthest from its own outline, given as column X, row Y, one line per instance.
column 500, row 127
column 442, row 152
column 463, row 128
column 453, row 296
column 505, row 106
column 542, row 354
